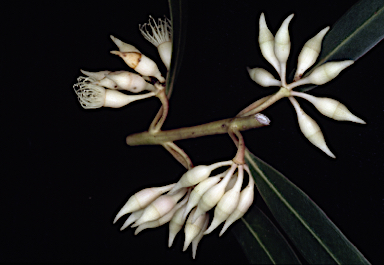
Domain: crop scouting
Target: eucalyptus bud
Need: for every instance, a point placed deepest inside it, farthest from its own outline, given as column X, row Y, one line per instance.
column 160, row 207
column 163, row 220
column 98, row 78
column 227, row 204
column 129, row 81
column 196, row 240
column 192, row 229
column 331, row 108
column 197, row 174
column 96, row 75
column 309, row 53
column 263, row 77
column 124, row 47
column 176, row 224
column 136, row 60
column 327, row 72
column 198, row 191
column 282, row 41
column 213, row 195
column 310, row 129
column 108, row 83
column 231, row 182
column 131, row 219
column 245, row 201
column 267, row 43
column 142, row 199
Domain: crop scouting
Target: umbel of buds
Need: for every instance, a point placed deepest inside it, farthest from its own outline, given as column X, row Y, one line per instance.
column 276, row 51
column 188, row 202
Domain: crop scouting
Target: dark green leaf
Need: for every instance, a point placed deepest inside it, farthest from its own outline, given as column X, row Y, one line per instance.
column 179, row 25
column 315, row 236
column 353, row 35
column 261, row 241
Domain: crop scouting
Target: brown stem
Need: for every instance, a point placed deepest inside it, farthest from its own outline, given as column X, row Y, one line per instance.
column 239, row 158
column 178, row 154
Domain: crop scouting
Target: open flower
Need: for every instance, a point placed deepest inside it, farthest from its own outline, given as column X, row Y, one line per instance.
column 188, row 201
column 92, row 96
column 160, row 35
column 276, row 51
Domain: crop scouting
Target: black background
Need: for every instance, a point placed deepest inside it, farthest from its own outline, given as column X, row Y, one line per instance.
column 67, row 171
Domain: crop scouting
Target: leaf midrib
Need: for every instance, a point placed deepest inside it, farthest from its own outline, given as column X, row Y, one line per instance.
column 279, row 195
column 258, row 240
column 338, row 47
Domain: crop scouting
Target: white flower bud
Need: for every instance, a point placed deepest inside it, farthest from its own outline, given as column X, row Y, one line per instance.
column 197, row 174
column 141, row 64
column 331, row 108
column 213, row 195
column 309, row 53
column 176, row 224
column 282, row 41
column 124, row 47
column 98, row 78
column 136, row 60
column 108, row 83
column 131, row 219
column 267, row 43
column 196, row 240
column 142, row 199
column 198, row 191
column 231, row 182
column 227, row 204
column 310, row 129
column 263, row 77
column 163, row 220
column 160, row 36
column 129, row 81
column 327, row 72
column 192, row 229
column 96, row 75
column 245, row 201
column 160, row 207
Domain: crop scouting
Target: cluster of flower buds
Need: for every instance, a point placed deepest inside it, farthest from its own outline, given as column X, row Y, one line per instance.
column 153, row 207
column 99, row 89
column 276, row 51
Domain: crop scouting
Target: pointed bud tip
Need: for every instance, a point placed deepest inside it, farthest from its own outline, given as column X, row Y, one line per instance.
column 327, row 151
column 115, row 52
column 185, row 247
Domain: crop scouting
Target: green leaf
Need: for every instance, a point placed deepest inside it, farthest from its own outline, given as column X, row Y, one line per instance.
column 314, row 235
column 261, row 240
column 353, row 35
column 179, row 19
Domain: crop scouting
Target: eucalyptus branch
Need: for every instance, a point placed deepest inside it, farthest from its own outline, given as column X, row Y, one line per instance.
column 216, row 127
